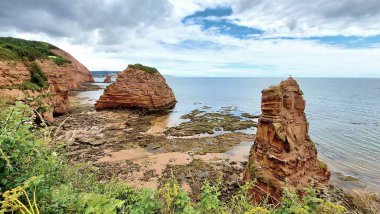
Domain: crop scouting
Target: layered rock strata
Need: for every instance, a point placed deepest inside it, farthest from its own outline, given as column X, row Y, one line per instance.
column 108, row 79
column 54, row 98
column 283, row 155
column 135, row 88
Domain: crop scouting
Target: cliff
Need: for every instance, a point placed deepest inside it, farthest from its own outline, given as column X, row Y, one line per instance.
column 283, row 154
column 39, row 74
column 137, row 87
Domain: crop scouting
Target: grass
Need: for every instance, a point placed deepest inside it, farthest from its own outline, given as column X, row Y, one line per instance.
column 38, row 80
column 322, row 165
column 147, row 69
column 36, row 178
column 24, row 50
column 275, row 92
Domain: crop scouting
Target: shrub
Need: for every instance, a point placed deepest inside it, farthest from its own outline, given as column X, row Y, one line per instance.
column 37, row 76
column 25, row 50
column 173, row 199
column 38, row 80
column 147, row 69
column 6, row 54
column 61, row 61
column 61, row 187
column 13, row 201
column 209, row 199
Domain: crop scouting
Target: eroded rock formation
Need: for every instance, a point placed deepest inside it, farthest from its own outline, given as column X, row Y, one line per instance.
column 54, row 98
column 283, row 154
column 137, row 88
column 108, row 79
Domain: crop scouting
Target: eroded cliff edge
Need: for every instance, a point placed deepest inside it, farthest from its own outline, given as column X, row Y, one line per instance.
column 40, row 74
column 283, row 155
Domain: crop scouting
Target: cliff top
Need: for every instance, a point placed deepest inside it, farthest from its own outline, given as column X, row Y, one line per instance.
column 147, row 69
column 24, row 50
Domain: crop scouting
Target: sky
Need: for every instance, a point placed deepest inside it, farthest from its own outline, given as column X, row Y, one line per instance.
column 242, row 38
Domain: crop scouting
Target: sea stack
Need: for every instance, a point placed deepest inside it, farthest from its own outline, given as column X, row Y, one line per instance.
column 283, row 155
column 137, row 86
column 108, row 79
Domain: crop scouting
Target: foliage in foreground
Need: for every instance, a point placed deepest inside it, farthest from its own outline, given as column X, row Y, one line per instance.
column 34, row 179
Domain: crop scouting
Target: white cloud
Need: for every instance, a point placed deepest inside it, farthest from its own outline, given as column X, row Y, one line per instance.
column 108, row 35
column 297, row 18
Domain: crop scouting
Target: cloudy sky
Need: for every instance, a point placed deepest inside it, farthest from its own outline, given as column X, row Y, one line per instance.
column 328, row 38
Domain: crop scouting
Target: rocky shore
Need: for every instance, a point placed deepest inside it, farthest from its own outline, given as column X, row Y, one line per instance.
column 125, row 136
column 125, row 145
column 118, row 144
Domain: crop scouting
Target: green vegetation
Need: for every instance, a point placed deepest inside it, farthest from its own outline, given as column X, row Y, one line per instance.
column 60, row 60
column 322, row 165
column 147, row 69
column 35, row 178
column 25, row 50
column 37, row 76
column 37, row 82
column 275, row 91
column 201, row 122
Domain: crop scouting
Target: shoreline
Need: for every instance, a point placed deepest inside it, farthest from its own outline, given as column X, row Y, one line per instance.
column 162, row 122
column 148, row 128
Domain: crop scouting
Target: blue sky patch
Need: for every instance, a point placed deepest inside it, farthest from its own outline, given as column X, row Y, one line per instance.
column 218, row 12
column 350, row 41
column 194, row 44
column 215, row 20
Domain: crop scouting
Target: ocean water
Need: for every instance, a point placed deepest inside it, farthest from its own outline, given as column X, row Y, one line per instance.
column 343, row 114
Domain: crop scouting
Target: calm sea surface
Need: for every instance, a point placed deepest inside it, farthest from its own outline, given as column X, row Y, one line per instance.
column 343, row 113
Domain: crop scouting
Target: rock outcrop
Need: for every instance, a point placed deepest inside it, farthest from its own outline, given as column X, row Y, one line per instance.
column 49, row 100
column 108, row 79
column 283, row 154
column 137, row 87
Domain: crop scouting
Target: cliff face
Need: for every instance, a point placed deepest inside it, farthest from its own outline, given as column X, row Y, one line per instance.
column 75, row 72
column 52, row 99
column 136, row 88
column 283, row 154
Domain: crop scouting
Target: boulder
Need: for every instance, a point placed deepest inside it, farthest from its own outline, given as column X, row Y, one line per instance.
column 283, row 155
column 137, row 87
column 108, row 79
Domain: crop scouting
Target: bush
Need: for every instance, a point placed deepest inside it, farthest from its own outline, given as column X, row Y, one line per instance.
column 61, row 61
column 37, row 76
column 24, row 50
column 147, row 69
column 57, row 186
column 38, row 80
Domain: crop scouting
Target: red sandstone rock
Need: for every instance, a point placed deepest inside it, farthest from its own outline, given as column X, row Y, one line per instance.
column 137, row 89
column 283, row 154
column 108, row 79
column 76, row 72
column 60, row 78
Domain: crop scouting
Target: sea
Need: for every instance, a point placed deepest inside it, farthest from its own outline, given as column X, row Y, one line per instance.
column 343, row 114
